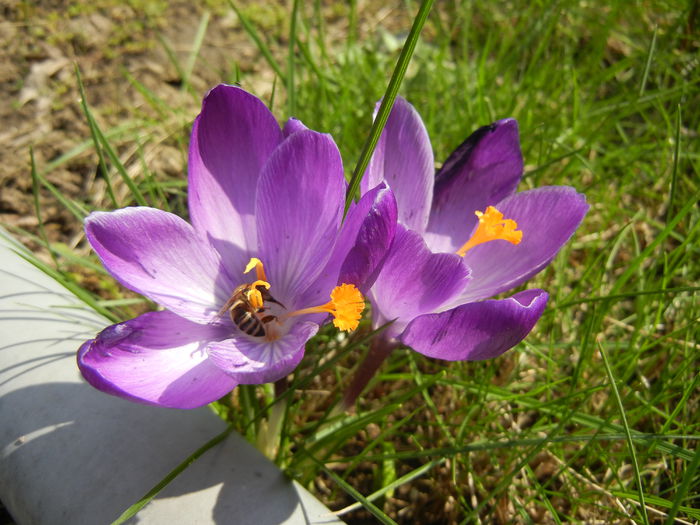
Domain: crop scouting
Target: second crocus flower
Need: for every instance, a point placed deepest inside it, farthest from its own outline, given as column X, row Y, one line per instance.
column 464, row 236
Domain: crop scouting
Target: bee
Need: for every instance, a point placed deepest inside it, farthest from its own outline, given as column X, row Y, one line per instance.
column 244, row 315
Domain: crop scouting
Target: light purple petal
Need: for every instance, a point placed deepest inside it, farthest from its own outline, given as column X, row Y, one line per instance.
column 157, row 254
column 483, row 170
column 156, row 359
column 292, row 126
column 476, row 331
column 232, row 138
column 252, row 360
column 414, row 281
column 404, row 159
column 299, row 208
column 548, row 217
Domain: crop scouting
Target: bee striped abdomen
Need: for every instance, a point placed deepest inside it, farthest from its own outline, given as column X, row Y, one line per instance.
column 247, row 321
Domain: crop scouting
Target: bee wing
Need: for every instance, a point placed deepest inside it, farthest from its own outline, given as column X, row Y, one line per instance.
column 225, row 308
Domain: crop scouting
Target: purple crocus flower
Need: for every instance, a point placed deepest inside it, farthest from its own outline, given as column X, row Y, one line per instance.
column 248, row 282
column 464, row 236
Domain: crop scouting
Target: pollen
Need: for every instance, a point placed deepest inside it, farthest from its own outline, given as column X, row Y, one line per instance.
column 492, row 226
column 253, row 294
column 345, row 306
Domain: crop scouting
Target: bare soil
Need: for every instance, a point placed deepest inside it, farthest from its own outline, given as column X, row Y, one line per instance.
column 41, row 43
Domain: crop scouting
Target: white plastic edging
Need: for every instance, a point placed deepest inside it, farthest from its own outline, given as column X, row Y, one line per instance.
column 72, row 455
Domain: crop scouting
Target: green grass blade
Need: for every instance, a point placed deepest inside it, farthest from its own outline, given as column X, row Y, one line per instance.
column 141, row 503
column 101, row 143
column 683, row 489
column 102, row 166
column 194, row 52
column 662, row 235
column 264, row 49
column 647, row 65
column 388, row 100
column 291, row 60
column 37, row 207
column 368, row 505
column 172, row 57
column 628, row 434
column 71, row 286
column 414, row 474
column 674, row 172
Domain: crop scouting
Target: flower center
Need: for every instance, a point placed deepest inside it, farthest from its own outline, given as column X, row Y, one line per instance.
column 492, row 226
column 251, row 292
column 249, row 311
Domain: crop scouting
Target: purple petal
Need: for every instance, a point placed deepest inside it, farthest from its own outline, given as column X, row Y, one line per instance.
column 253, row 361
column 370, row 229
column 232, row 138
column 548, row 217
column 485, row 169
column 299, row 208
column 361, row 246
column 156, row 359
column 292, row 126
column 404, row 159
column 414, row 281
column 157, row 254
column 476, row 331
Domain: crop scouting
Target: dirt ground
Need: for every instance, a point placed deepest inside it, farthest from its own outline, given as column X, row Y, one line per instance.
column 40, row 45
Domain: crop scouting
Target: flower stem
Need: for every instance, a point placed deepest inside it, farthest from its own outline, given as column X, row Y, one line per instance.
column 379, row 350
column 269, row 440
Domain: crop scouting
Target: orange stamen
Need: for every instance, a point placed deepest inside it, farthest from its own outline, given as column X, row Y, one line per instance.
column 253, row 294
column 492, row 226
column 259, row 268
column 345, row 306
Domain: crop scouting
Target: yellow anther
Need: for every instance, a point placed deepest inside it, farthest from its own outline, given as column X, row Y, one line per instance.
column 259, row 269
column 492, row 226
column 345, row 306
column 253, row 294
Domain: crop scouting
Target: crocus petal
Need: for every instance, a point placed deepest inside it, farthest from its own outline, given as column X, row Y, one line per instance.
column 361, row 247
column 231, row 139
column 299, row 208
column 476, row 331
column 414, row 281
column 159, row 255
column 483, row 170
column 253, row 361
column 369, row 228
column 404, row 159
column 292, row 126
column 548, row 217
column 156, row 359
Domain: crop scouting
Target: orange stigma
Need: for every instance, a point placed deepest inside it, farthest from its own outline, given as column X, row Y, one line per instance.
column 492, row 226
column 345, row 306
